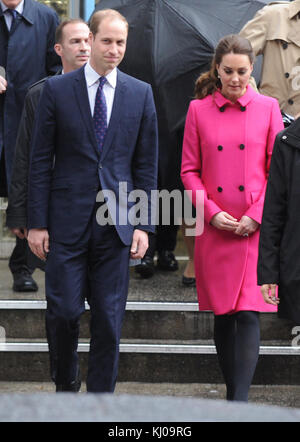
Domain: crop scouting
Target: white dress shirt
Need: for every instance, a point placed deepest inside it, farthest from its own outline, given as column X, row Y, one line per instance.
column 92, row 81
column 7, row 15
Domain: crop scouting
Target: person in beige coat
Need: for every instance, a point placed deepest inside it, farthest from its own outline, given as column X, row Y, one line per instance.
column 274, row 32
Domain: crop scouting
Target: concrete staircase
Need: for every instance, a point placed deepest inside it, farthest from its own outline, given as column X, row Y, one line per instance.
column 166, row 341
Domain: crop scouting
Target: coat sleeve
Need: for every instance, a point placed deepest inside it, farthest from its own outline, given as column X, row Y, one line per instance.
column 145, row 163
column 256, row 30
column 275, row 126
column 274, row 218
column 191, row 166
column 16, row 214
column 41, row 161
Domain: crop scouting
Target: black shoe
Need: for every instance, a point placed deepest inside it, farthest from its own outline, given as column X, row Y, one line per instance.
column 167, row 261
column 73, row 387
column 23, row 282
column 146, row 268
column 188, row 282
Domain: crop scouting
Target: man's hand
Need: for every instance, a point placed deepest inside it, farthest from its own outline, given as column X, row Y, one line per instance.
column 269, row 293
column 3, row 85
column 139, row 245
column 38, row 240
column 20, row 232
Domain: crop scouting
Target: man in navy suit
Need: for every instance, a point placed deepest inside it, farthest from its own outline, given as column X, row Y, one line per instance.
column 70, row 170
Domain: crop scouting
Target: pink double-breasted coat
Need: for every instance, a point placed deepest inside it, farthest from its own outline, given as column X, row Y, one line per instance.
column 226, row 153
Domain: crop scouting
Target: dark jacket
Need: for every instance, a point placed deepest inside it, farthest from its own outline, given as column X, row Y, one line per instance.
column 16, row 213
column 279, row 247
column 62, row 194
column 27, row 54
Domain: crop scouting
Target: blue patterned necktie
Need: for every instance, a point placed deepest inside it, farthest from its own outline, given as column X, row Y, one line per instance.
column 13, row 14
column 100, row 114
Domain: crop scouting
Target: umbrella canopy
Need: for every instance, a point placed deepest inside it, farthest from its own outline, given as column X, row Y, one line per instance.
column 170, row 43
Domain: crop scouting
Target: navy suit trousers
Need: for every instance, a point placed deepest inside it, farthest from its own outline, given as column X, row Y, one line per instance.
column 96, row 269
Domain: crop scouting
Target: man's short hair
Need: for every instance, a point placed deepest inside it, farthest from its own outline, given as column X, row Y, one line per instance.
column 59, row 30
column 99, row 16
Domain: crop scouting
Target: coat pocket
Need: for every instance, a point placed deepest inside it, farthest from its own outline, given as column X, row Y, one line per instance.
column 255, row 195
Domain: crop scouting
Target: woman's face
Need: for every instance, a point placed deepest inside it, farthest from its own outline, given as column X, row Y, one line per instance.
column 234, row 72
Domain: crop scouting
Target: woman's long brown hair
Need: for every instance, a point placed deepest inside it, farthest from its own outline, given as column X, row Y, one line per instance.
column 208, row 82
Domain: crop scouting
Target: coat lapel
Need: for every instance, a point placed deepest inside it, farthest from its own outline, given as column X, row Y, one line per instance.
column 116, row 114
column 81, row 94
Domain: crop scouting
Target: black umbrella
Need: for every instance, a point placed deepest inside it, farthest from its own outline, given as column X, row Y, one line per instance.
column 170, row 43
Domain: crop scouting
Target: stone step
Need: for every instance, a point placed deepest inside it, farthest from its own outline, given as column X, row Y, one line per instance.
column 25, row 319
column 179, row 362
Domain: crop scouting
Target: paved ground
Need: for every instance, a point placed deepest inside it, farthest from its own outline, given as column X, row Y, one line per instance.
column 284, row 396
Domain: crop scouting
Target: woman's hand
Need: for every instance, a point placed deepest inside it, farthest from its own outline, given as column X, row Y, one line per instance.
column 224, row 221
column 246, row 226
column 269, row 293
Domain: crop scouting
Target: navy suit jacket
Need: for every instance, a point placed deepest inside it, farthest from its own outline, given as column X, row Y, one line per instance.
column 67, row 170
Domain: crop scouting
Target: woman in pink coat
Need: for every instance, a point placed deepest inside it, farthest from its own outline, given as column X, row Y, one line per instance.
column 228, row 141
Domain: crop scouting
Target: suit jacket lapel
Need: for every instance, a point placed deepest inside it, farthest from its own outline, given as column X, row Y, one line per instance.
column 116, row 114
column 81, row 93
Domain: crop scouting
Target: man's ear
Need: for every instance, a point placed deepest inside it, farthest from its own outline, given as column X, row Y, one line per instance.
column 58, row 48
column 91, row 38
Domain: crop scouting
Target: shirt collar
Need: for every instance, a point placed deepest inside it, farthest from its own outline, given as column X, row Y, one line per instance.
column 245, row 99
column 92, row 76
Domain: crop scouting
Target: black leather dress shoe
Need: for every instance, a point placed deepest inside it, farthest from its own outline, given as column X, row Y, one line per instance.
column 23, row 282
column 167, row 261
column 73, row 387
column 146, row 268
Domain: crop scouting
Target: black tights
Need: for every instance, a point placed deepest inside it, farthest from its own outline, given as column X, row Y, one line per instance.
column 237, row 338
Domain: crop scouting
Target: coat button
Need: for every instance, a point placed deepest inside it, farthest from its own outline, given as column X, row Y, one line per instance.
column 242, row 146
column 220, row 189
column 222, row 109
column 290, row 101
column 241, row 188
column 286, row 75
column 284, row 45
column 100, row 166
column 243, row 108
column 220, row 148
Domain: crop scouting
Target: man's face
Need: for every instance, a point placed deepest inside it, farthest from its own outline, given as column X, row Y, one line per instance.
column 11, row 4
column 108, row 45
column 74, row 49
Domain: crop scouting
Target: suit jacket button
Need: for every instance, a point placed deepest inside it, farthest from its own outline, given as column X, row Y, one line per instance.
column 241, row 188
column 220, row 189
column 100, row 166
column 242, row 146
column 243, row 108
column 222, row 109
column 220, row 148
